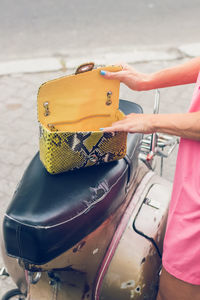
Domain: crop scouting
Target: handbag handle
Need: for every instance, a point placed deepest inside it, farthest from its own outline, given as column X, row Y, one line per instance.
column 84, row 68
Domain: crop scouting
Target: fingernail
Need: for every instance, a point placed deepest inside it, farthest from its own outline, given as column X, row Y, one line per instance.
column 101, row 129
column 103, row 72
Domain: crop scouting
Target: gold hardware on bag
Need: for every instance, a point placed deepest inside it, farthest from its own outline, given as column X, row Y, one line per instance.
column 52, row 127
column 109, row 101
column 46, row 107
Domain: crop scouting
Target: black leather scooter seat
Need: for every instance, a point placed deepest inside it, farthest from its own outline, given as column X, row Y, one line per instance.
column 51, row 213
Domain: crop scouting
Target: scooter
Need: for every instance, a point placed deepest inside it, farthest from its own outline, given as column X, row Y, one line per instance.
column 91, row 234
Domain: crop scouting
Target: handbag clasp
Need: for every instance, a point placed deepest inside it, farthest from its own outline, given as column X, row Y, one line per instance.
column 46, row 107
column 109, row 101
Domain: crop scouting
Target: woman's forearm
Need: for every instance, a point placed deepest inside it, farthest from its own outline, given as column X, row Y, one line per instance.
column 185, row 125
column 182, row 74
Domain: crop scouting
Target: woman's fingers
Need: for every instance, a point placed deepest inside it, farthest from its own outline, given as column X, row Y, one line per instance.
column 115, row 128
column 123, row 125
column 112, row 75
column 129, row 76
column 125, row 119
column 133, row 123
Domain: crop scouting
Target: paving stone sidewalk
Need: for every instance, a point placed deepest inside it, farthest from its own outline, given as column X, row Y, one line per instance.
column 19, row 127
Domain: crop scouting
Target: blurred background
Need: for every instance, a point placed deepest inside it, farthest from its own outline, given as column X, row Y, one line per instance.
column 62, row 27
column 44, row 39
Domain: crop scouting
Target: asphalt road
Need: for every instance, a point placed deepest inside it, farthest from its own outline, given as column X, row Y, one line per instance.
column 49, row 27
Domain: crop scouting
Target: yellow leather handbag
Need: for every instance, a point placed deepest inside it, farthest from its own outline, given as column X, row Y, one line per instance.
column 71, row 111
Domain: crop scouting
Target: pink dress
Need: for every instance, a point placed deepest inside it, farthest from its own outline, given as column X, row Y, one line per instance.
column 181, row 256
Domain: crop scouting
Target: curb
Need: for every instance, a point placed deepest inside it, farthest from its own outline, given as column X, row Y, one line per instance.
column 100, row 57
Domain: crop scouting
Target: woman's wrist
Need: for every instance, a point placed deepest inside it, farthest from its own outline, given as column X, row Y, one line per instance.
column 184, row 125
column 148, row 82
column 155, row 80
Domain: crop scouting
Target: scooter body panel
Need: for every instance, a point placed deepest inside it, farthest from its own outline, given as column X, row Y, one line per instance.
column 131, row 270
column 14, row 269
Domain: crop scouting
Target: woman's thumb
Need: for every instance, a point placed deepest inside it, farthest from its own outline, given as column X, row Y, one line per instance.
column 110, row 75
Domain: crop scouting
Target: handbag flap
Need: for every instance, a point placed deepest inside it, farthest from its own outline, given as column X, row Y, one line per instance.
column 73, row 98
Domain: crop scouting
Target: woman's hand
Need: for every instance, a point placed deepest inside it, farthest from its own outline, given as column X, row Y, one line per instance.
column 185, row 125
column 132, row 123
column 134, row 80
column 182, row 74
